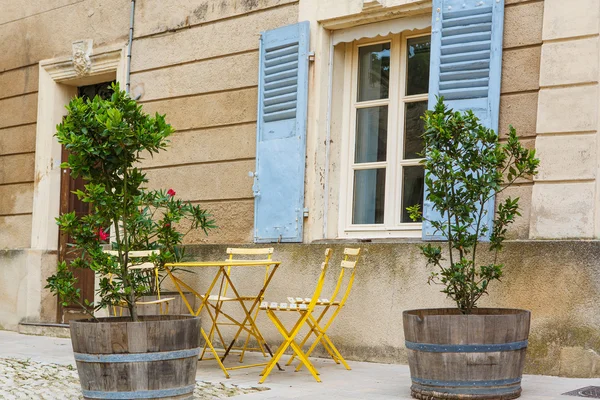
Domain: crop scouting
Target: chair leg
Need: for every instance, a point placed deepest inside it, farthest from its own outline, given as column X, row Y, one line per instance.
column 248, row 340
column 304, row 360
column 318, row 331
column 336, row 351
column 308, row 335
column 286, row 335
column 215, row 354
column 318, row 339
column 267, row 370
column 298, row 349
column 213, row 329
column 288, row 342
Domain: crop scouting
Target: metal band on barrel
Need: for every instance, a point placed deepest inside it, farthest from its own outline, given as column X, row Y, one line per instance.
column 136, row 357
column 141, row 394
column 498, row 382
column 466, row 348
column 493, row 391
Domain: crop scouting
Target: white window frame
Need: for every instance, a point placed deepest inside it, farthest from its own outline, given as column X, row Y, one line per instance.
column 391, row 227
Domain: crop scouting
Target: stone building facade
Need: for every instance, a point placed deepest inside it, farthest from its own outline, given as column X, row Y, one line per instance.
column 198, row 62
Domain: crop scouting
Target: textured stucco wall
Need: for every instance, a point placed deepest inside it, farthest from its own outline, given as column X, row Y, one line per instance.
column 558, row 281
column 23, row 275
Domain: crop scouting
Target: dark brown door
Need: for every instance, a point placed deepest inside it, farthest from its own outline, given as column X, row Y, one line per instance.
column 69, row 202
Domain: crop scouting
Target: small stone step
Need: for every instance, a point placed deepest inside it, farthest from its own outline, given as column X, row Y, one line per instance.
column 42, row 329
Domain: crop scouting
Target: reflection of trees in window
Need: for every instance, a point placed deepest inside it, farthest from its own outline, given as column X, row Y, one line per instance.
column 414, row 127
column 419, row 50
column 379, row 72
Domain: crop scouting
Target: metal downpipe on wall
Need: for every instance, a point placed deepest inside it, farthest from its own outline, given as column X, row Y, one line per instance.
column 128, row 72
column 328, row 137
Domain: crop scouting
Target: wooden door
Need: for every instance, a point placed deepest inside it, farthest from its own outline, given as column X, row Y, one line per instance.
column 68, row 203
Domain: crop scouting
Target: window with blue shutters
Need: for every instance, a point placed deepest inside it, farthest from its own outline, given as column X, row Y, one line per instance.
column 466, row 63
column 386, row 93
column 281, row 134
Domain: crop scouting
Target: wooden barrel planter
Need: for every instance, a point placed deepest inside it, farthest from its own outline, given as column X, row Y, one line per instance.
column 155, row 358
column 476, row 356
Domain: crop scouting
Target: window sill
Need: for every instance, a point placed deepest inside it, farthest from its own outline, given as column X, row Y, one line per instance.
column 365, row 233
column 391, row 240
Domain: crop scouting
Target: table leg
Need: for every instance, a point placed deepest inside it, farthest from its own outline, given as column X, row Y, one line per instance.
column 248, row 319
column 177, row 282
column 212, row 349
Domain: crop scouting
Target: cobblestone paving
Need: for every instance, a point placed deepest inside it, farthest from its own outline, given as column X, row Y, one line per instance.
column 25, row 379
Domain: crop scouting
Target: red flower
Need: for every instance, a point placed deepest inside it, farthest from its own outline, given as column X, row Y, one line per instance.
column 171, row 192
column 103, row 235
column 167, row 225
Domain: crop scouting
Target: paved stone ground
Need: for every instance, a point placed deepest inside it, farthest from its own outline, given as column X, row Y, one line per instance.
column 26, row 379
column 366, row 381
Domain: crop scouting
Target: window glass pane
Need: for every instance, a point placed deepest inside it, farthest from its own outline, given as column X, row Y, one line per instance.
column 417, row 81
column 371, row 134
column 412, row 189
column 373, row 71
column 414, row 127
column 369, row 196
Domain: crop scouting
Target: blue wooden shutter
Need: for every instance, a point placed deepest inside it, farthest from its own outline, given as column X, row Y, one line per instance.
column 281, row 134
column 466, row 66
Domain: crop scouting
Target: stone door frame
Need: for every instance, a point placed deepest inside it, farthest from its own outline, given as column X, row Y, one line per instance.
column 58, row 82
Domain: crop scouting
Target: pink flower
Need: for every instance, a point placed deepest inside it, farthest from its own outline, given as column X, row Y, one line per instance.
column 171, row 192
column 103, row 235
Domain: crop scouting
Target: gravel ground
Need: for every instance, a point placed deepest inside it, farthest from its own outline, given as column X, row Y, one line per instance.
column 26, row 379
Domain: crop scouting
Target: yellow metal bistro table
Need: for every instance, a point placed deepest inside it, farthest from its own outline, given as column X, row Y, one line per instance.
column 221, row 279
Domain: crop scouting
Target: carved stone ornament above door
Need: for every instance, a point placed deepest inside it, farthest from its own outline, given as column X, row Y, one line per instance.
column 373, row 4
column 82, row 50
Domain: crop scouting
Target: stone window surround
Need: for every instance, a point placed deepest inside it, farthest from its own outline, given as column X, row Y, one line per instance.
column 323, row 173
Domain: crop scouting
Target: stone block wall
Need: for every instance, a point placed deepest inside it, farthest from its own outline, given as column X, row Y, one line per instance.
column 565, row 195
column 519, row 91
column 32, row 32
column 200, row 67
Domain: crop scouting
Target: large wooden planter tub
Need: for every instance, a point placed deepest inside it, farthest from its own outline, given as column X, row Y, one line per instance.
column 476, row 356
column 155, row 358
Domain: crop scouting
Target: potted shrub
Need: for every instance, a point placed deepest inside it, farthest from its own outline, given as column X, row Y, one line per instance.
column 134, row 356
column 155, row 229
column 467, row 352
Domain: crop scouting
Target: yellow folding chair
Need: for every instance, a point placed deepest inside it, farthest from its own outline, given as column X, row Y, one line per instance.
column 140, row 266
column 305, row 311
column 217, row 302
column 315, row 320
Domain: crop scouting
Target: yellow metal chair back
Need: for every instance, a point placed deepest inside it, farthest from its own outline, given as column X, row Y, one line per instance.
column 237, row 254
column 348, row 263
column 265, row 253
column 305, row 311
column 320, row 281
column 347, row 274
